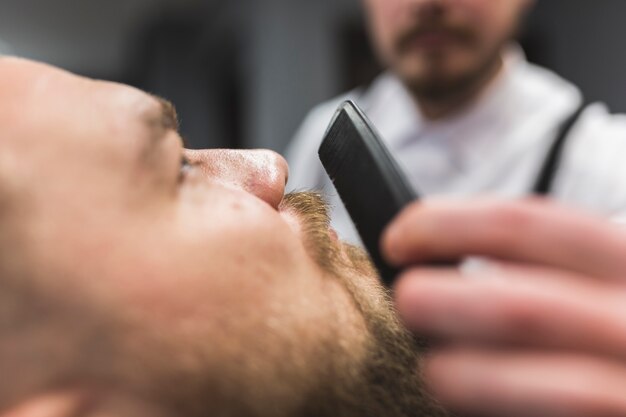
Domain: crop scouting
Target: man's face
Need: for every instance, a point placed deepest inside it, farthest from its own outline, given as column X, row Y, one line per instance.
column 175, row 272
column 439, row 46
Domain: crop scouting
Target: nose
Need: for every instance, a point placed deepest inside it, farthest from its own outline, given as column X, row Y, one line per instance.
column 262, row 173
column 428, row 8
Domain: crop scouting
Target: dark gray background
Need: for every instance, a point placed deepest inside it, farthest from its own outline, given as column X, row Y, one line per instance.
column 243, row 73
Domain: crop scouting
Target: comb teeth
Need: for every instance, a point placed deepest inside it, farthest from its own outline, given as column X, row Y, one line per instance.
column 366, row 177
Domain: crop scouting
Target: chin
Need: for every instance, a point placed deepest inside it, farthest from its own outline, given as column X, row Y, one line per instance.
column 439, row 77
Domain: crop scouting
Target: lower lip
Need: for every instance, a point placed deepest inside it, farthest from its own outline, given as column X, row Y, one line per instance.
column 431, row 40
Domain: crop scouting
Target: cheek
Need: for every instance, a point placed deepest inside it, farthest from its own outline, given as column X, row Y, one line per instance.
column 495, row 22
column 384, row 13
column 385, row 18
column 235, row 243
column 212, row 266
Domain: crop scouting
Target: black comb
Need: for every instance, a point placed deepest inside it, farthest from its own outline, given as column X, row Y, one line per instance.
column 367, row 178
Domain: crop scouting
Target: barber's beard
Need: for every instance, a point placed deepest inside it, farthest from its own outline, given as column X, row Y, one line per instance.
column 454, row 89
column 389, row 382
column 443, row 85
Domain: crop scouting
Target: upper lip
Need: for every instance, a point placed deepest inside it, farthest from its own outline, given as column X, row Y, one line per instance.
column 432, row 32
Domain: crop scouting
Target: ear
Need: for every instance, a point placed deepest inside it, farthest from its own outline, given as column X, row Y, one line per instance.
column 59, row 404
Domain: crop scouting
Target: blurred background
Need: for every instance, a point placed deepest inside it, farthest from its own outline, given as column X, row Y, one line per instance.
column 243, row 73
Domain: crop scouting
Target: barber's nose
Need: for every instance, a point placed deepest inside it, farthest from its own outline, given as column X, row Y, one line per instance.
column 262, row 173
column 428, row 8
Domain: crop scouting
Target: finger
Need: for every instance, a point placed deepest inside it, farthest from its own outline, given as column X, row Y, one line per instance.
column 553, row 311
column 527, row 384
column 532, row 231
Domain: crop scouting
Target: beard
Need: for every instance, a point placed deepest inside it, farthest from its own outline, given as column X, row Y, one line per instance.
column 441, row 77
column 389, row 382
column 437, row 87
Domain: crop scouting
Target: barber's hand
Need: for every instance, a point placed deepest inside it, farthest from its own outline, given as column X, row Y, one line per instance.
column 542, row 332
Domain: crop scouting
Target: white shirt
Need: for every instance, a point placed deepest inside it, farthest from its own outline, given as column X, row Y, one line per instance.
column 496, row 146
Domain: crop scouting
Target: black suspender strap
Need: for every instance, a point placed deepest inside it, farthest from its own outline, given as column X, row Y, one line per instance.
column 550, row 167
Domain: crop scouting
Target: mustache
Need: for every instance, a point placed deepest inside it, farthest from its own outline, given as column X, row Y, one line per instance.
column 313, row 212
column 459, row 32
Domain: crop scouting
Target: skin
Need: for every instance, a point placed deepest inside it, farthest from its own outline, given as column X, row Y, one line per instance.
column 445, row 51
column 538, row 332
column 141, row 279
